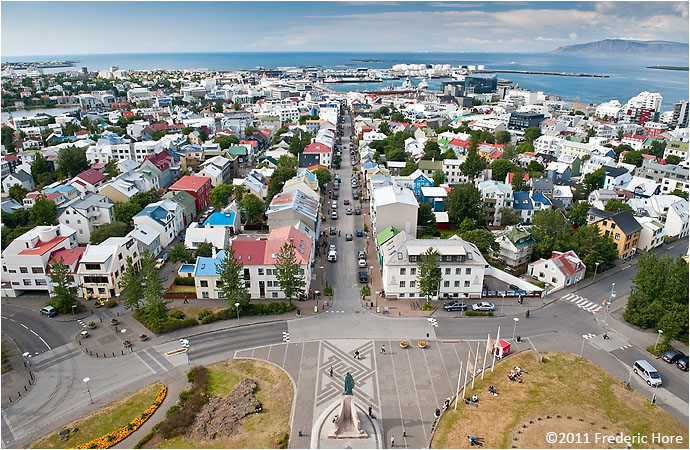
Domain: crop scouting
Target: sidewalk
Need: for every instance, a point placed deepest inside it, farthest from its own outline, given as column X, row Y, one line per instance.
column 17, row 382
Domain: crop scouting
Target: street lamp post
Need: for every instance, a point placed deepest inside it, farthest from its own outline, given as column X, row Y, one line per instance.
column 503, row 299
column 515, row 320
column 608, row 304
column 86, row 380
column 657, row 338
column 237, row 307
column 73, row 308
column 371, row 277
column 596, row 266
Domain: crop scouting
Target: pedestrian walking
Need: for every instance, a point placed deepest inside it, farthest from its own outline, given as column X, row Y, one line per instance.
column 338, row 233
column 330, row 372
column 185, row 300
column 371, row 413
column 392, row 441
column 357, row 354
column 383, row 349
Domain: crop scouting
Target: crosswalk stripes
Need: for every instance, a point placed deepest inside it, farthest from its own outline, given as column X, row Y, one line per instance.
column 582, row 303
column 588, row 336
column 626, row 346
column 337, row 312
column 82, row 323
column 286, row 336
column 433, row 321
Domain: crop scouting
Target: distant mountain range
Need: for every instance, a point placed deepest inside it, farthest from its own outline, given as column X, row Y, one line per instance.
column 627, row 47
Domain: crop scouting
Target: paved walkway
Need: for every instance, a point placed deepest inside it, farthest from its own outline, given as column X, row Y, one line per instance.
column 17, row 382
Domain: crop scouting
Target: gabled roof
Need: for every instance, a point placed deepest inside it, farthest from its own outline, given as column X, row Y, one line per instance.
column 279, row 236
column 614, row 172
column 68, row 256
column 155, row 212
column 190, row 183
column 568, row 263
column 296, row 200
column 161, row 160
column 625, row 221
column 208, row 266
column 384, row 235
column 221, row 219
column 522, row 201
column 317, row 147
column 42, row 247
column 91, row 176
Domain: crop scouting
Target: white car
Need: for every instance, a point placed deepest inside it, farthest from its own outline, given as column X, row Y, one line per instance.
column 483, row 306
column 331, row 248
column 362, row 263
column 332, row 256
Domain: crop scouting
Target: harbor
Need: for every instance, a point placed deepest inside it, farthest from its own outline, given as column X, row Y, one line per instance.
column 539, row 72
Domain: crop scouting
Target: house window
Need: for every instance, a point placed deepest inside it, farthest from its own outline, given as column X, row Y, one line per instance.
column 41, row 283
column 203, row 283
column 269, row 283
column 269, row 271
column 413, row 271
column 447, row 270
column 274, row 294
column 446, row 284
column 413, row 258
column 618, row 236
column 27, row 282
column 449, row 258
column 468, row 271
column 457, row 271
column 456, row 284
column 413, row 283
column 402, row 294
column 23, row 270
column 403, row 271
column 554, row 280
column 261, row 271
column 467, row 284
column 37, row 270
column 402, row 284
column 204, row 295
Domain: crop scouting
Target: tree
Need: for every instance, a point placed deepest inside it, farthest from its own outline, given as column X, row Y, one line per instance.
column 143, row 199
column 250, row 130
column 409, row 168
column 203, row 134
column 220, row 195
column 39, row 167
column 509, row 152
column 660, row 298
column 578, row 214
column 500, row 168
column 231, row 279
column 18, row 218
column 382, row 111
column 594, row 180
column 7, row 139
column 484, row 240
column 679, row 193
column 429, row 273
column 226, row 141
column 280, row 175
column 633, row 157
column 502, row 137
column 397, row 117
column 614, row 205
column 288, row 272
column 464, row 202
column 204, row 250
column 179, row 253
column 64, row 293
column 532, row 133
column 154, row 310
column 324, row 177
column 385, row 128
column 550, row 231
column 535, row 169
column 10, row 235
column 425, row 215
column 592, row 247
column 124, row 212
column 657, row 148
column 72, row 161
column 18, row 192
column 253, row 208
column 473, row 164
column 44, row 212
column 105, row 231
column 449, row 154
column 519, row 183
column 431, row 151
column 111, row 169
column 218, row 107
column 622, row 148
column 187, row 130
column 158, row 134
column 672, row 160
column 439, row 177
column 132, row 289
column 509, row 216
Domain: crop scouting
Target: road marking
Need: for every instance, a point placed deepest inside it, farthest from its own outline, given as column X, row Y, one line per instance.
column 588, row 336
column 569, row 296
column 24, row 326
column 582, row 303
column 626, row 346
column 286, row 336
column 433, row 321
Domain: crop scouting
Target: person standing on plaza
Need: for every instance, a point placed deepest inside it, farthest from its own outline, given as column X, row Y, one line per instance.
column 330, row 371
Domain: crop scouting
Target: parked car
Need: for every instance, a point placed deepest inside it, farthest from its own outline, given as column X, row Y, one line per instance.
column 348, row 237
column 363, row 278
column 348, row 211
column 359, row 233
column 355, row 195
column 331, row 247
column 362, row 263
column 361, row 254
column 165, row 256
column 358, row 212
column 483, row 306
column 332, row 256
column 682, row 363
column 159, row 263
column 334, row 215
column 455, row 305
column 346, row 202
column 336, row 186
column 672, row 356
column 332, row 231
column 334, row 204
column 49, row 311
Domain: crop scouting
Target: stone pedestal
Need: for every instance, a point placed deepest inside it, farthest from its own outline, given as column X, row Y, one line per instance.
column 347, row 426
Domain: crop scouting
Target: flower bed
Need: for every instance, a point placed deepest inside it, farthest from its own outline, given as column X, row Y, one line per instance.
column 421, row 344
column 116, row 436
column 404, row 344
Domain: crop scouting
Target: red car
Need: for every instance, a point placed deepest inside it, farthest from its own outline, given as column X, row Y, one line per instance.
column 346, row 201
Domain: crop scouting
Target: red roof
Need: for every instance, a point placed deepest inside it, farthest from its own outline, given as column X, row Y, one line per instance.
column 316, row 166
column 42, row 247
column 249, row 251
column 636, row 137
column 279, row 236
column 91, row 176
column 11, row 158
column 190, row 183
column 128, row 114
column 81, row 133
column 317, row 147
column 511, row 174
column 252, row 143
column 161, row 160
column 459, row 143
column 69, row 256
column 568, row 262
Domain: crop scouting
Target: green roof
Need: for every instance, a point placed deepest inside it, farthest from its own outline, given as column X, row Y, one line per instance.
column 385, row 235
column 268, row 118
column 238, row 150
column 427, row 164
column 678, row 146
column 577, row 139
column 517, row 235
column 184, row 199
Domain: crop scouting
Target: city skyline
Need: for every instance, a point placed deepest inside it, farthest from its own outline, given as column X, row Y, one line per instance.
column 170, row 27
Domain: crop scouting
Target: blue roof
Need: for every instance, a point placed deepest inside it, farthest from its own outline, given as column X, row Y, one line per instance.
column 221, row 219
column 156, row 212
column 61, row 188
column 368, row 165
column 310, row 175
column 539, row 197
column 207, row 266
column 187, row 268
column 522, row 201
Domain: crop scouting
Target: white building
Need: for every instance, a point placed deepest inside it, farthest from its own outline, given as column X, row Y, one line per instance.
column 393, row 206
column 561, row 270
column 462, row 266
column 495, row 196
column 101, row 266
column 677, row 219
column 652, row 233
column 165, row 216
column 148, row 239
column 85, row 214
column 610, row 109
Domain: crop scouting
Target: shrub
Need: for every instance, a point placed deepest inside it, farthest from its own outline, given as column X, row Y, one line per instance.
column 203, row 313
column 177, row 421
column 184, row 396
column 184, row 281
column 661, row 347
column 167, row 325
column 177, row 314
column 427, row 307
column 110, row 303
column 479, row 313
column 282, row 441
column 173, row 408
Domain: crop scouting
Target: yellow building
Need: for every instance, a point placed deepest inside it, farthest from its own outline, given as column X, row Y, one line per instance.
column 622, row 227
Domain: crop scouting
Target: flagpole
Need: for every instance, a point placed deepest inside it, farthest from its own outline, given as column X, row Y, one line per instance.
column 493, row 350
column 488, row 342
column 457, row 391
column 474, row 368
column 464, row 387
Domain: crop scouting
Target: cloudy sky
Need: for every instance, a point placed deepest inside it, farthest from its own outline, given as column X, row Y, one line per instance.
column 57, row 28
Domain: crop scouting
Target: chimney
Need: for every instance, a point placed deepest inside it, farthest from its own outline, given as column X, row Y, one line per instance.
column 213, row 252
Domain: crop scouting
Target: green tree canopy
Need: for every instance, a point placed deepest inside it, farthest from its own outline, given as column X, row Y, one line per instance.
column 44, row 212
column 484, row 240
column 180, row 253
column 204, row 249
column 111, row 169
column 633, row 157
column 253, row 208
column 64, row 293
column 231, row 279
column 17, row 192
column 113, row 229
column 324, row 177
column 439, row 177
column 39, row 166
column 622, row 148
column 220, row 195
column 464, row 202
column 578, row 214
column 473, row 164
column 673, row 160
column 124, row 212
column 532, row 133
column 502, row 137
column 550, row 230
column 409, row 168
column 425, row 215
column 679, row 193
column 500, row 168
column 509, row 216
column 72, row 161
column 288, row 272
column 132, row 288
column 431, row 151
column 226, row 141
column 594, row 180
column 614, row 205
column 429, row 273
column 519, row 183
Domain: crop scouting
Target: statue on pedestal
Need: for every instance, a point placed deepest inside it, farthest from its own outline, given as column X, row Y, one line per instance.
column 346, row 422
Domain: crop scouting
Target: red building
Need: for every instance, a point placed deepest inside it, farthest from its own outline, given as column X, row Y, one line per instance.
column 197, row 187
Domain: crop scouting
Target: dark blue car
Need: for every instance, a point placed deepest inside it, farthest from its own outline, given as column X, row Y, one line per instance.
column 359, row 233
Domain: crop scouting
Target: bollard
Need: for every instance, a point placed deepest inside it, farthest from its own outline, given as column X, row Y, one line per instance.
column 123, row 352
column 19, row 393
column 29, row 382
column 87, row 349
column 96, row 354
column 10, row 398
column 79, row 342
column 113, row 354
column 25, row 389
column 101, row 319
column 118, row 314
column 24, row 363
column 91, row 353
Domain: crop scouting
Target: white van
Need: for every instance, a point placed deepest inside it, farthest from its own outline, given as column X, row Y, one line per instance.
column 647, row 372
column 334, row 215
column 333, row 256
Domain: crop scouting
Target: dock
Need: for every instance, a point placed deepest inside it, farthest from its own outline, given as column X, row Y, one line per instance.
column 540, row 72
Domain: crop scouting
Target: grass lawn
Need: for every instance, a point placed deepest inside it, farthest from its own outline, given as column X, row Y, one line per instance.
column 564, row 385
column 260, row 430
column 193, row 311
column 182, row 290
column 104, row 420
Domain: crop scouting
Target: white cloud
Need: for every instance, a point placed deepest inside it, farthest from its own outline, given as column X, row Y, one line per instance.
column 572, row 36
